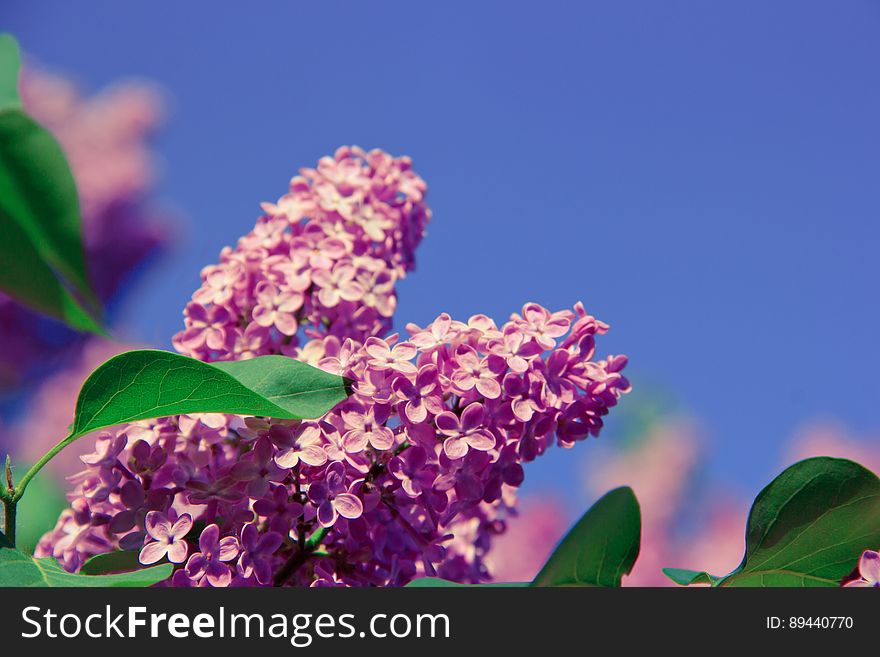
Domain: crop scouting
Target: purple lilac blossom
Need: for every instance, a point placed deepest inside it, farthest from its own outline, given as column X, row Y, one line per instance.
column 322, row 261
column 412, row 475
column 165, row 539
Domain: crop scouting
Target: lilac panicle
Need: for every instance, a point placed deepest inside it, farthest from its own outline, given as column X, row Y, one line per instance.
column 412, row 475
column 322, row 261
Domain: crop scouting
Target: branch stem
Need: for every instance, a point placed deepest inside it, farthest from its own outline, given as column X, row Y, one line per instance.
column 300, row 556
column 9, row 519
column 10, row 494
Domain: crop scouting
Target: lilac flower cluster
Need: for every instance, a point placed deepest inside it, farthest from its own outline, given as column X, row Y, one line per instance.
column 323, row 260
column 106, row 140
column 412, row 475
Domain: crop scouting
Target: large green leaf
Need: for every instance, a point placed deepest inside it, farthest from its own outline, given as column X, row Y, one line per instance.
column 144, row 384
column 39, row 212
column 809, row 526
column 19, row 569
column 601, row 548
column 139, row 385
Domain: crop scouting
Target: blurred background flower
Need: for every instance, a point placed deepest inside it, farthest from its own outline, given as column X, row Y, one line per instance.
column 688, row 520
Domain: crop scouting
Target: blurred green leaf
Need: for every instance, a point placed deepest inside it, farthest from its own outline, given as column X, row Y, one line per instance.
column 28, row 278
column 43, row 256
column 601, row 548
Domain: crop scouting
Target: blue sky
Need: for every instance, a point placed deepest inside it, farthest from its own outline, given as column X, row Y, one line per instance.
column 704, row 176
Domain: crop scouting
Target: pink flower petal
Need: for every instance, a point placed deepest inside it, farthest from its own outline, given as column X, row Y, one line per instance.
column 348, row 506
column 157, row 525
column 286, row 323
column 327, row 514
column 405, row 351
column 869, row 566
column 447, row 423
column 416, row 411
column 313, row 455
column 472, row 416
column 377, row 349
column 177, row 551
column 328, row 297
column 152, row 552
column 481, row 440
column 355, row 441
column 264, row 316
column 382, row 438
column 182, row 526
column 455, row 448
column 288, row 458
column 228, row 548
column 463, row 380
column 489, row 388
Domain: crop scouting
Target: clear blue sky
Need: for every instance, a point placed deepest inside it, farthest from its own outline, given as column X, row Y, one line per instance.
column 704, row 176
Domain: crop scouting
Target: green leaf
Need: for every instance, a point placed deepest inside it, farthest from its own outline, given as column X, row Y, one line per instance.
column 436, row 582
column 686, row 577
column 39, row 212
column 138, row 385
column 112, row 562
column 809, row 526
column 19, row 569
column 10, row 63
column 601, row 548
